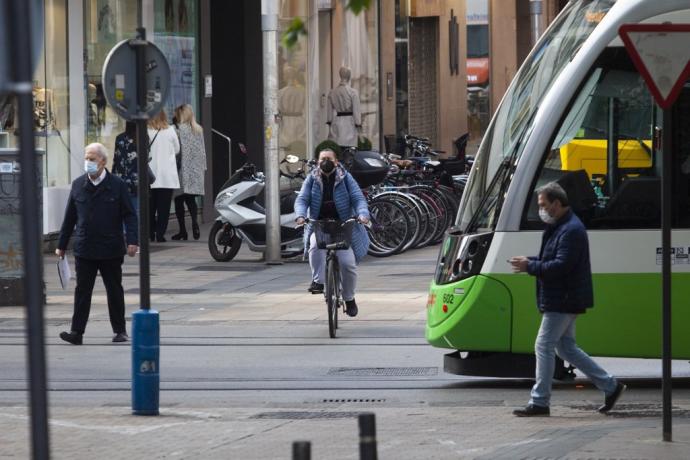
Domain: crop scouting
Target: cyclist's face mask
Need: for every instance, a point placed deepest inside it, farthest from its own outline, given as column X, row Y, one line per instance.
column 326, row 165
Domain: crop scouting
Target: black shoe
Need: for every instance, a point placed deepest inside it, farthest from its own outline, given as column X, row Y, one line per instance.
column 180, row 236
column 315, row 288
column 161, row 239
column 532, row 411
column 121, row 337
column 196, row 233
column 611, row 399
column 351, row 308
column 72, row 337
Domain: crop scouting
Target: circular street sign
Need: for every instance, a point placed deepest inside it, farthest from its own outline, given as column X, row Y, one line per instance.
column 120, row 80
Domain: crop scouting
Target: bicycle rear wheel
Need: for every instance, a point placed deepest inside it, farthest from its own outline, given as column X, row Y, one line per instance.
column 332, row 295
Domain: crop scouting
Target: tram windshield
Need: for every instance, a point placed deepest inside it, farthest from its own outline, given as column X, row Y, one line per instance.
column 503, row 142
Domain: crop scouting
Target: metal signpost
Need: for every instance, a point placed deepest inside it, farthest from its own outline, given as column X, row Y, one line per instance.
column 269, row 27
column 661, row 53
column 136, row 82
column 20, row 43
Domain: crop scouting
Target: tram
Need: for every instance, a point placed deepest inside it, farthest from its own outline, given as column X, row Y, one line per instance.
column 579, row 113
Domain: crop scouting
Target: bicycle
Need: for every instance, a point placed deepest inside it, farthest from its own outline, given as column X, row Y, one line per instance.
column 333, row 235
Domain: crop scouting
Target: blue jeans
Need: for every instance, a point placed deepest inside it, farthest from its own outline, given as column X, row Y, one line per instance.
column 557, row 336
column 348, row 267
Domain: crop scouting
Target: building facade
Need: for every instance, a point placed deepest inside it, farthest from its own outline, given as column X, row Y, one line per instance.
column 70, row 110
column 409, row 63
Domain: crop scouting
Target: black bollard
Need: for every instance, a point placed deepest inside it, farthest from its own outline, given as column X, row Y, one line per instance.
column 301, row 450
column 367, row 437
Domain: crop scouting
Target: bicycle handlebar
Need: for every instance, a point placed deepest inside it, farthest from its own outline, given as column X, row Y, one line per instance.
column 307, row 220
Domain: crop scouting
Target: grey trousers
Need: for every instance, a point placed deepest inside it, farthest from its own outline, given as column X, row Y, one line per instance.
column 348, row 267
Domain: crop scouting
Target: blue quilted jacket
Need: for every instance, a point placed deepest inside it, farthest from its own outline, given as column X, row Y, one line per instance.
column 349, row 202
column 563, row 271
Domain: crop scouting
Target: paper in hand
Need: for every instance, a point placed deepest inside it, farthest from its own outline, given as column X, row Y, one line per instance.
column 64, row 272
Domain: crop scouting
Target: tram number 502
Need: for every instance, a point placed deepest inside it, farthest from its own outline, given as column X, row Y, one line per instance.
column 448, row 298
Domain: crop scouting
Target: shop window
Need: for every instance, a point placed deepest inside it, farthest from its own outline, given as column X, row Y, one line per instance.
column 176, row 34
column 402, row 27
column 360, row 53
column 478, row 63
column 51, row 100
column 107, row 22
column 292, row 84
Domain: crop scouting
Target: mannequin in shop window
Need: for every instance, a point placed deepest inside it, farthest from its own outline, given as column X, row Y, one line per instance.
column 344, row 114
column 7, row 115
column 44, row 117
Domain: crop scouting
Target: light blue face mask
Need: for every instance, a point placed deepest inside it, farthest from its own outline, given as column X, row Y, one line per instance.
column 91, row 167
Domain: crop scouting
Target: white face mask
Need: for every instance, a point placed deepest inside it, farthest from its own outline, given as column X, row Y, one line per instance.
column 90, row 167
column 546, row 217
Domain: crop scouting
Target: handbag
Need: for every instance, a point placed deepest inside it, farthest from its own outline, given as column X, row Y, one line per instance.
column 152, row 176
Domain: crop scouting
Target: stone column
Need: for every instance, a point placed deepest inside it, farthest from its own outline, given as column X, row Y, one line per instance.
column 452, row 97
column 503, row 41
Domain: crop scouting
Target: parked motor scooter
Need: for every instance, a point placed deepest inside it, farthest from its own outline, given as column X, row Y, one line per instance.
column 243, row 218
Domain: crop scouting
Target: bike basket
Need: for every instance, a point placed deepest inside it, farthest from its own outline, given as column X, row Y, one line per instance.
column 333, row 232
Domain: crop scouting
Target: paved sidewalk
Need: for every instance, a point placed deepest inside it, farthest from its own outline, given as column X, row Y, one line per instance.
column 200, row 300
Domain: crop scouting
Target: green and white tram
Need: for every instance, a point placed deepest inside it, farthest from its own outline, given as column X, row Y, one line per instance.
column 577, row 112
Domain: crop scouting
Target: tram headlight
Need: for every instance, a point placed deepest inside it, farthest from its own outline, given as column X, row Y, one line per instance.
column 461, row 256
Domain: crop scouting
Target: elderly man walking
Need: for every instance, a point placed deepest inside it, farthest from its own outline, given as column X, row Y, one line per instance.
column 564, row 290
column 98, row 205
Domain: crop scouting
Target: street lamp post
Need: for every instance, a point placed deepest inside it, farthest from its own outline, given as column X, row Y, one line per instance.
column 269, row 27
column 20, row 53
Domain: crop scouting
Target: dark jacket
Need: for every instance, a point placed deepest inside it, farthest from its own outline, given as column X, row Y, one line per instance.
column 95, row 214
column 563, row 271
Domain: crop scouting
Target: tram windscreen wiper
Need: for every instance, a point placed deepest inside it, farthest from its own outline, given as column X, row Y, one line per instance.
column 627, row 137
column 483, row 208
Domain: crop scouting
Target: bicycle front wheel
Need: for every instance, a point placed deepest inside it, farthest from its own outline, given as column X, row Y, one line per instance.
column 332, row 295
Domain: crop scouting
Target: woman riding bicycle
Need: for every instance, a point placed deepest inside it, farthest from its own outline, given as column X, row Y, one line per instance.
column 330, row 192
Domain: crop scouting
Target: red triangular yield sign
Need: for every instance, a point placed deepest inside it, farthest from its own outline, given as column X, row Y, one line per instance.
column 661, row 53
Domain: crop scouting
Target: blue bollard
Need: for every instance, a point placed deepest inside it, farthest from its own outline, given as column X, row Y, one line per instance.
column 145, row 360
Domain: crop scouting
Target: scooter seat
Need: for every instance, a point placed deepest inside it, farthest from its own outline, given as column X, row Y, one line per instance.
column 287, row 203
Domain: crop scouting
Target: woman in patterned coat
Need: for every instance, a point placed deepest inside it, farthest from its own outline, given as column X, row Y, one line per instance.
column 192, row 164
column 125, row 161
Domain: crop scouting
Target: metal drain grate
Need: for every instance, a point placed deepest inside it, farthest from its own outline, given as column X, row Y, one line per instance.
column 636, row 410
column 383, row 371
column 480, row 403
column 227, row 268
column 304, row 415
column 167, row 291
column 354, row 400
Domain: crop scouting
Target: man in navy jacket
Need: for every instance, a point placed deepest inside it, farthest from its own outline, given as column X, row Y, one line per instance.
column 564, row 290
column 98, row 205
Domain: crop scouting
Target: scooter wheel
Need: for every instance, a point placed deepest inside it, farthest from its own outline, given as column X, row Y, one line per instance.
column 223, row 242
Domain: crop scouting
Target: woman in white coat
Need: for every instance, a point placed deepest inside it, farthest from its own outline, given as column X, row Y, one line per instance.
column 163, row 146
